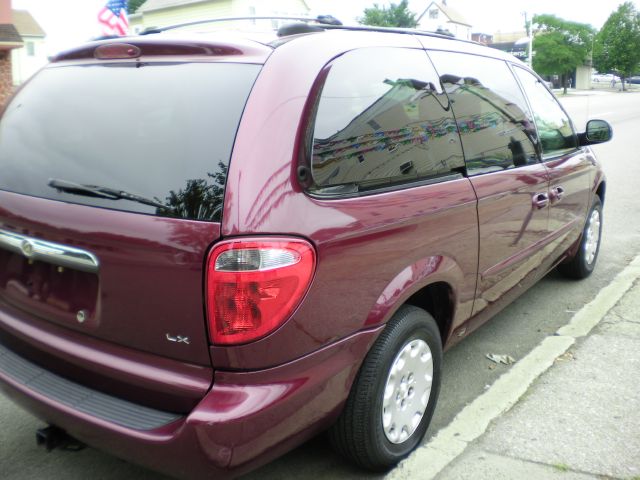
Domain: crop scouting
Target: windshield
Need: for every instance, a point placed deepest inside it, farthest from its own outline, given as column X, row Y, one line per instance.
column 162, row 132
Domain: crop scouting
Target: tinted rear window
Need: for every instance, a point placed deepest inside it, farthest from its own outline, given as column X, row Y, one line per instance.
column 160, row 131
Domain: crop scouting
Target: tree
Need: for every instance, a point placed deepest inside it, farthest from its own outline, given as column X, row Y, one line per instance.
column 200, row 199
column 617, row 45
column 560, row 46
column 394, row 16
column 134, row 5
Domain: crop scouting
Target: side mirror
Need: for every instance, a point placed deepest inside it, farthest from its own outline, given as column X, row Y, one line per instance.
column 598, row 131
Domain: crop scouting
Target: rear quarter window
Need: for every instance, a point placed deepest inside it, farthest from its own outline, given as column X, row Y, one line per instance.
column 161, row 131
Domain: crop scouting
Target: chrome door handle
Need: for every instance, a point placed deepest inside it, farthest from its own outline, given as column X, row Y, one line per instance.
column 540, row 200
column 49, row 252
column 557, row 193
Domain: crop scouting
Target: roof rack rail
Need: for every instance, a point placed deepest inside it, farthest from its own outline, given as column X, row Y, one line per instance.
column 327, row 20
column 409, row 31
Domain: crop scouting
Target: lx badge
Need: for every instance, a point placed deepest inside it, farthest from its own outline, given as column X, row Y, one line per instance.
column 178, row 339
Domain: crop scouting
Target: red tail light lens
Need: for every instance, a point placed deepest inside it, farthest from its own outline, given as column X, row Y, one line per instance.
column 253, row 286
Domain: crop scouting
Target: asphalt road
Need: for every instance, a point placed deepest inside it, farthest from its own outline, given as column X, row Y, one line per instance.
column 516, row 331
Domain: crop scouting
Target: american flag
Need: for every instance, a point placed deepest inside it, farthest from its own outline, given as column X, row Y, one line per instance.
column 113, row 18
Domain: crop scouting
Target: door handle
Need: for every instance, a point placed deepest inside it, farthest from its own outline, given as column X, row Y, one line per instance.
column 540, row 200
column 557, row 193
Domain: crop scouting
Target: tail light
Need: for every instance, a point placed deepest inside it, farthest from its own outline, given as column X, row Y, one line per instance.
column 254, row 285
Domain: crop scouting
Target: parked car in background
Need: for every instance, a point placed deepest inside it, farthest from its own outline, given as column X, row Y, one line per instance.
column 216, row 246
column 604, row 78
column 634, row 79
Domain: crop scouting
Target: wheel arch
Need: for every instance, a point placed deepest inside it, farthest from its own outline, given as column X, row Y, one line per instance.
column 601, row 191
column 429, row 284
column 438, row 299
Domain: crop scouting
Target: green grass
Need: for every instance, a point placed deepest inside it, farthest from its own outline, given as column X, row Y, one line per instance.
column 561, row 467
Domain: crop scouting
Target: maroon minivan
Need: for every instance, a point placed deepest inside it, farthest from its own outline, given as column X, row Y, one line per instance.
column 215, row 246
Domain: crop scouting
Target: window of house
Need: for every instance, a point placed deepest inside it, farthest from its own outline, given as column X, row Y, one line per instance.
column 31, row 48
column 556, row 132
column 382, row 119
column 495, row 127
column 433, row 14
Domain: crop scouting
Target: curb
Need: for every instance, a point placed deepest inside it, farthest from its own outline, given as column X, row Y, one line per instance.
column 450, row 442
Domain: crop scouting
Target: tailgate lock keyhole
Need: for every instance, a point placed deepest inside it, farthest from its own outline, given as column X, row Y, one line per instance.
column 27, row 248
column 82, row 316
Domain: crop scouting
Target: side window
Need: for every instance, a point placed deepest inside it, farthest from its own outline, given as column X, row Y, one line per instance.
column 491, row 112
column 554, row 127
column 382, row 119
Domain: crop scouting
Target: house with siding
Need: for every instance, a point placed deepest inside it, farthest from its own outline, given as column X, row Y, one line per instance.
column 438, row 15
column 159, row 13
column 9, row 40
column 31, row 56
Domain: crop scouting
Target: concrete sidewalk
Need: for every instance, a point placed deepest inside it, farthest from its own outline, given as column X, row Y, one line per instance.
column 559, row 92
column 579, row 419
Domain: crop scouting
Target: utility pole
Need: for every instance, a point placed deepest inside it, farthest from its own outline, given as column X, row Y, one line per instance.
column 528, row 24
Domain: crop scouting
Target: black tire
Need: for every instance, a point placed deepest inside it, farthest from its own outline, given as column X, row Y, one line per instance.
column 583, row 263
column 359, row 434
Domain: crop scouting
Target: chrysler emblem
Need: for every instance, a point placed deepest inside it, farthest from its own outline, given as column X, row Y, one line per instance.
column 27, row 248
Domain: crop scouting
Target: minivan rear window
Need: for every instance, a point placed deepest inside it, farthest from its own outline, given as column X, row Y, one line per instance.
column 152, row 138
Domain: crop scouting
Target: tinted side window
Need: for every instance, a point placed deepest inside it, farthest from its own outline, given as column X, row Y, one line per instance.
column 554, row 127
column 491, row 112
column 382, row 119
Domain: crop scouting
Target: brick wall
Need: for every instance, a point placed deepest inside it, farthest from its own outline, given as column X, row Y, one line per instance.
column 6, row 82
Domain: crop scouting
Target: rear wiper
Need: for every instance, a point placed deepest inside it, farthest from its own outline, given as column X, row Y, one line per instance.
column 101, row 192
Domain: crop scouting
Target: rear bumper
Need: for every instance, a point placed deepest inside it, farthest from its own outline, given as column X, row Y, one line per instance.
column 245, row 420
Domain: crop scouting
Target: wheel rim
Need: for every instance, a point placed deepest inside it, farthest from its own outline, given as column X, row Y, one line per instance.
column 593, row 237
column 407, row 391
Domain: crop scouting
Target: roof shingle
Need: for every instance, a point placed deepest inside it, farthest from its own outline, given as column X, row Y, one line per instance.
column 26, row 24
column 9, row 34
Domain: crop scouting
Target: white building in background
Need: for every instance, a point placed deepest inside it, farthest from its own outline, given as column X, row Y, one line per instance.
column 439, row 15
column 31, row 56
column 159, row 13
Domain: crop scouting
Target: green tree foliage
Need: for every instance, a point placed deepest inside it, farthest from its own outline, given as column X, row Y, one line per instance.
column 617, row 45
column 393, row 16
column 560, row 45
column 134, row 5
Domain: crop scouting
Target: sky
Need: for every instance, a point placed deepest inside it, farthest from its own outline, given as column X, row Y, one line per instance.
column 490, row 16
column 69, row 22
